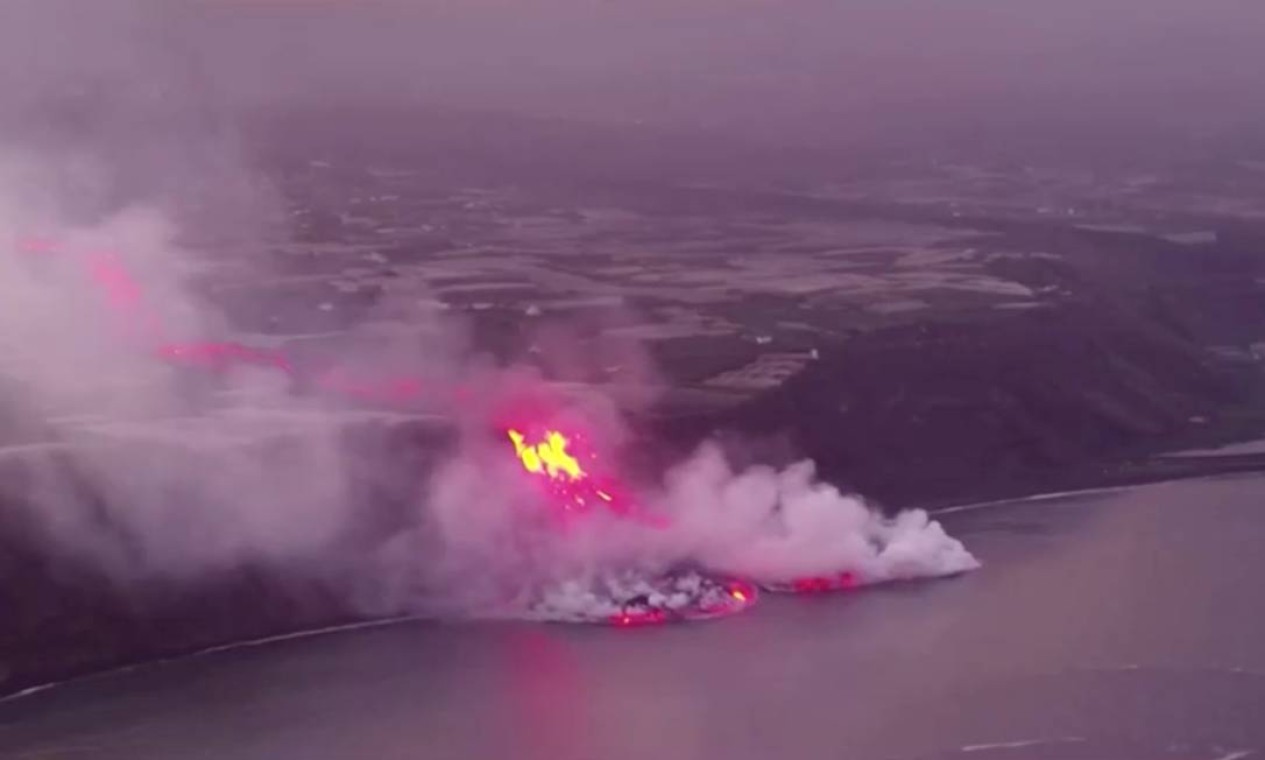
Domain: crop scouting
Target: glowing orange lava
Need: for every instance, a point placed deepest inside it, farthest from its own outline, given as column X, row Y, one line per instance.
column 555, row 458
column 549, row 457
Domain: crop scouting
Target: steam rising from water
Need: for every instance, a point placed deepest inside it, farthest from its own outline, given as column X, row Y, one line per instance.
column 778, row 527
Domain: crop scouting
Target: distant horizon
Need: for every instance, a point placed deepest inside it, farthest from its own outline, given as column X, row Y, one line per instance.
column 803, row 73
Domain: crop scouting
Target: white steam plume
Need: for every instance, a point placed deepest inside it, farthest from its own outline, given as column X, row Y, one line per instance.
column 777, row 527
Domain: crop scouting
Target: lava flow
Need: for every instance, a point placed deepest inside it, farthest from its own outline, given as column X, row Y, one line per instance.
column 123, row 293
column 567, row 469
column 561, row 462
column 555, row 459
column 550, row 458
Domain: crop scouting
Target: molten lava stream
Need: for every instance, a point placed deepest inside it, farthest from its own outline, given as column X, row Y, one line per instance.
column 558, row 463
column 714, row 599
column 824, row 584
column 569, row 485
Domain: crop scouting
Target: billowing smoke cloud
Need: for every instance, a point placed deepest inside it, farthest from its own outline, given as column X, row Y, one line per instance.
column 783, row 529
column 116, row 170
column 161, row 486
column 780, row 526
column 146, row 479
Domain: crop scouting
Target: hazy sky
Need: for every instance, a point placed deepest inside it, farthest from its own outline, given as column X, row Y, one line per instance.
column 806, row 66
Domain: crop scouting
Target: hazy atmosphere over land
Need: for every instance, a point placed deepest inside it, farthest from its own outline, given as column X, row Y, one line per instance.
column 788, row 71
column 464, row 316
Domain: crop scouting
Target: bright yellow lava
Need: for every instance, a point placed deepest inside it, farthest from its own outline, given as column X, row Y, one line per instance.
column 549, row 457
